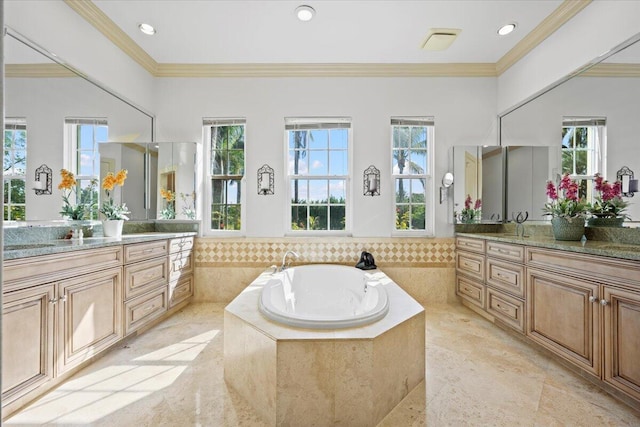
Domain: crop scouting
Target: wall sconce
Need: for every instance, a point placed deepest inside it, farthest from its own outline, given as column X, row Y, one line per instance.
column 42, row 183
column 265, row 180
column 447, row 181
column 371, row 181
column 629, row 185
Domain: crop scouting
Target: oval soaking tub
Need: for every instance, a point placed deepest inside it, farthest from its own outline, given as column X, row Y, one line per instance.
column 323, row 296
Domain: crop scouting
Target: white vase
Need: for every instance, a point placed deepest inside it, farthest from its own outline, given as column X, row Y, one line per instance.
column 112, row 227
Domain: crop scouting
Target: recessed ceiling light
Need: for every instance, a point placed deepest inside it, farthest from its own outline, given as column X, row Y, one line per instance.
column 506, row 29
column 305, row 13
column 147, row 29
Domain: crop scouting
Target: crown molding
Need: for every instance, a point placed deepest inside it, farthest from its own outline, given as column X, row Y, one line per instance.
column 326, row 70
column 37, row 70
column 606, row 69
column 96, row 17
column 567, row 10
column 93, row 15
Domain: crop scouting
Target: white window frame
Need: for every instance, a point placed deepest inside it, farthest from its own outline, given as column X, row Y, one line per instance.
column 13, row 124
column 429, row 190
column 292, row 123
column 71, row 151
column 597, row 144
column 207, row 124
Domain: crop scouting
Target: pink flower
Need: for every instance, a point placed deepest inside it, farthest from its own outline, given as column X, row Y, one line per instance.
column 565, row 182
column 478, row 204
column 572, row 191
column 467, row 202
column 598, row 181
column 551, row 191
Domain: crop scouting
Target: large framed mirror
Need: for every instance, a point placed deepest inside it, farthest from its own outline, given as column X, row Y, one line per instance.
column 61, row 118
column 585, row 124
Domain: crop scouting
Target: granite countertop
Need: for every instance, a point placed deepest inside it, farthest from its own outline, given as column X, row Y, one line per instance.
column 593, row 247
column 54, row 246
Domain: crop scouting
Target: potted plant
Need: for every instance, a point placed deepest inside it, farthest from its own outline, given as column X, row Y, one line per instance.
column 608, row 208
column 84, row 201
column 472, row 211
column 567, row 210
column 114, row 214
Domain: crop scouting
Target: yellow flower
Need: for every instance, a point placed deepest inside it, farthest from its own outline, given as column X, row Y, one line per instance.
column 168, row 195
column 68, row 180
column 109, row 182
column 121, row 176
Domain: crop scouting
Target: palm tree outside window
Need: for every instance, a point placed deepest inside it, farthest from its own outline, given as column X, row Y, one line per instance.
column 412, row 148
column 226, row 171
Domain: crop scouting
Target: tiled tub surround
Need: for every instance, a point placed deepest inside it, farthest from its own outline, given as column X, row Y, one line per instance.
column 351, row 377
column 423, row 267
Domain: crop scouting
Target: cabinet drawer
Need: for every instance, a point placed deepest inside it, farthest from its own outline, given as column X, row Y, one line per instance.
column 469, row 244
column 180, row 264
column 180, row 290
column 470, row 264
column 470, row 291
column 141, row 251
column 143, row 309
column 505, row 251
column 181, row 244
column 506, row 276
column 144, row 276
column 506, row 308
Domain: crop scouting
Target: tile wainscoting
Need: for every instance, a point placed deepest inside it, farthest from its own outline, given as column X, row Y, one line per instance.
column 424, row 268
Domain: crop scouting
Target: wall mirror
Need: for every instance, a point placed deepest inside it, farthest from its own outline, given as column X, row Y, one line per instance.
column 606, row 94
column 478, row 174
column 46, row 94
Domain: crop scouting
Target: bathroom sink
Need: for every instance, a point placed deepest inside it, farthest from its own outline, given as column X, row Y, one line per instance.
column 24, row 246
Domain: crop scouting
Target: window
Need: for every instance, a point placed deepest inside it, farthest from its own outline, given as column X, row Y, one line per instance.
column 226, row 140
column 83, row 136
column 412, row 148
column 583, row 148
column 318, row 170
column 15, row 168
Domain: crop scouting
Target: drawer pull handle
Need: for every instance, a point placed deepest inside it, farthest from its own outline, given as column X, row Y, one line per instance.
column 150, row 307
column 53, row 301
column 502, row 308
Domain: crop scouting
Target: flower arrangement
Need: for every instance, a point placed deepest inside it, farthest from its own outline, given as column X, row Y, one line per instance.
column 69, row 187
column 472, row 210
column 565, row 202
column 169, row 212
column 109, row 209
column 608, row 202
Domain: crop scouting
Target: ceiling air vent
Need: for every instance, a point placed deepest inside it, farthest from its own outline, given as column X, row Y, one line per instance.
column 440, row 38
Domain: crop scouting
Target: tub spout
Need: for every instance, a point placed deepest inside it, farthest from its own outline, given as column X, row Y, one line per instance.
column 285, row 264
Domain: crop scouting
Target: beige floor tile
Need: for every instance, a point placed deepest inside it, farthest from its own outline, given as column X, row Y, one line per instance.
column 476, row 375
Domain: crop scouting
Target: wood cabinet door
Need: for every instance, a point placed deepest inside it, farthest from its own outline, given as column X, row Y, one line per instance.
column 89, row 316
column 622, row 340
column 27, row 340
column 563, row 315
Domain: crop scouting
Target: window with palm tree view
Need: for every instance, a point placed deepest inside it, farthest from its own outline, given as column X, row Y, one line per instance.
column 15, row 168
column 412, row 145
column 318, row 170
column 226, row 152
column 583, row 145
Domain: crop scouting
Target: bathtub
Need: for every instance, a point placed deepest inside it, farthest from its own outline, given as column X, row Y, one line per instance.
column 323, row 296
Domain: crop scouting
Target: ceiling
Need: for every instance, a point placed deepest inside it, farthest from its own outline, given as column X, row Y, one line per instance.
column 240, row 31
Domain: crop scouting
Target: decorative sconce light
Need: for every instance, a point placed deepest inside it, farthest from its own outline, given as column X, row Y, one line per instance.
column 265, row 180
column 42, row 183
column 371, row 181
column 447, row 181
column 629, row 185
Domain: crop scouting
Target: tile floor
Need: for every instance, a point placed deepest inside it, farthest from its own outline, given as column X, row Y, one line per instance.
column 477, row 375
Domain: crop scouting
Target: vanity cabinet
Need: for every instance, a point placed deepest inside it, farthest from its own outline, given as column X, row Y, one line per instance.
column 146, row 279
column 27, row 340
column 181, row 266
column 54, row 319
column 490, row 276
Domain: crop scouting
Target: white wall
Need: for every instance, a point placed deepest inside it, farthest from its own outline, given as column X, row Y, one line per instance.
column 58, row 28
column 464, row 111
column 598, row 28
